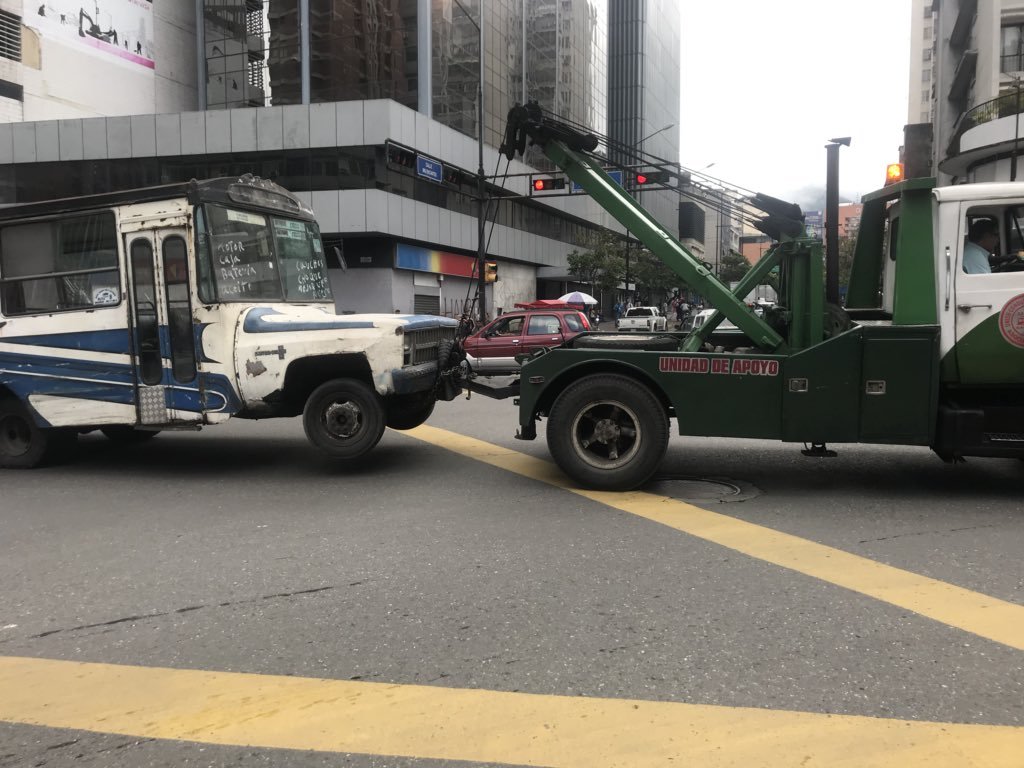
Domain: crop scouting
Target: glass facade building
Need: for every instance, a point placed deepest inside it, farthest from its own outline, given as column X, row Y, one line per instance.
column 644, row 88
column 553, row 51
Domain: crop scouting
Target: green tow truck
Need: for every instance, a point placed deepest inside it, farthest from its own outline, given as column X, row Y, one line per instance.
column 924, row 352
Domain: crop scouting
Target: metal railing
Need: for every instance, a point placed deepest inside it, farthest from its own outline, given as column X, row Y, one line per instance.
column 1005, row 105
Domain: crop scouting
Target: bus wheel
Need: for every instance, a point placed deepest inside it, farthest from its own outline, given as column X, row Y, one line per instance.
column 344, row 418
column 410, row 412
column 128, row 435
column 608, row 432
column 23, row 444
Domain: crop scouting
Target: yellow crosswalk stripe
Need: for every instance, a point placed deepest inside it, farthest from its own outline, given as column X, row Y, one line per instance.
column 267, row 711
column 979, row 614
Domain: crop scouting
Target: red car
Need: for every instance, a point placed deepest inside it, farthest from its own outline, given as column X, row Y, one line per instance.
column 492, row 350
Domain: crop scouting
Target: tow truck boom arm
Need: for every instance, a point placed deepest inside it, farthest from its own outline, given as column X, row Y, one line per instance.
column 566, row 148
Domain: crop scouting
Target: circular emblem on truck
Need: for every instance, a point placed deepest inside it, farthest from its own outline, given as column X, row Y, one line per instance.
column 1011, row 321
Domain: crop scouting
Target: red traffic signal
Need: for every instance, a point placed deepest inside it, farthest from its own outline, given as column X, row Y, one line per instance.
column 653, row 177
column 547, row 183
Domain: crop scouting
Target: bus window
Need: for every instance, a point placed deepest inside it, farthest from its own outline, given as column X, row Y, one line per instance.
column 179, row 313
column 252, row 257
column 300, row 253
column 147, row 323
column 59, row 265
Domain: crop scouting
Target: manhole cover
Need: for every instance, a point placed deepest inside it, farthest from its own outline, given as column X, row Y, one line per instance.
column 701, row 489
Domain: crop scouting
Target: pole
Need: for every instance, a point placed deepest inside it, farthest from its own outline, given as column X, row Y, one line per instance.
column 1016, row 134
column 832, row 218
column 305, row 54
column 201, row 63
column 481, row 182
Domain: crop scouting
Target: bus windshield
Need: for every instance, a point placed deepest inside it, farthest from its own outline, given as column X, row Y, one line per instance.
column 247, row 256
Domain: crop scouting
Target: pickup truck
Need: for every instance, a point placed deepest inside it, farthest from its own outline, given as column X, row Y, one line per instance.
column 643, row 319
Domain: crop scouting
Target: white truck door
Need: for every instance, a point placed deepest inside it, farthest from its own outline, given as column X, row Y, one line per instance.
column 989, row 306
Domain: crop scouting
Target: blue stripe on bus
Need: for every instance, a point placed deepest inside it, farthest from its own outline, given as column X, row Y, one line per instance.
column 117, row 341
column 110, row 382
column 63, row 367
column 260, row 320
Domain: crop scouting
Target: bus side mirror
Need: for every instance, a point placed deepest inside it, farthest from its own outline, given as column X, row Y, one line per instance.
column 341, row 259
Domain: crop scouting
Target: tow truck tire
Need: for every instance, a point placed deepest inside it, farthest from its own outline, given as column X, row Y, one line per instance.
column 410, row 412
column 653, row 343
column 344, row 418
column 24, row 444
column 124, row 435
column 608, row 432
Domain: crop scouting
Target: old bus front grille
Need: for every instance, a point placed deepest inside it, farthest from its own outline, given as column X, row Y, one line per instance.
column 421, row 345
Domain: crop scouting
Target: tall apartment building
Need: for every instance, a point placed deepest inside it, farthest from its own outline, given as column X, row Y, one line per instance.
column 311, row 93
column 922, row 61
column 977, row 93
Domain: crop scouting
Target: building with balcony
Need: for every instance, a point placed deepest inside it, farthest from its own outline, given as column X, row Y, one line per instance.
column 977, row 89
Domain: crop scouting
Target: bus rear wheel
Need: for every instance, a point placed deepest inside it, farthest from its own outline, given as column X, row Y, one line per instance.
column 24, row 444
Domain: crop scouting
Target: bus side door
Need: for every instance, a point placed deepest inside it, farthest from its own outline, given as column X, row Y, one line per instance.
column 164, row 346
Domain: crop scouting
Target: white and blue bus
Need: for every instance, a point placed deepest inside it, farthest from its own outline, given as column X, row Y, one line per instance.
column 185, row 305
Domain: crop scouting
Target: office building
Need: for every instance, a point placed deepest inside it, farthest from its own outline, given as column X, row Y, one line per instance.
column 319, row 101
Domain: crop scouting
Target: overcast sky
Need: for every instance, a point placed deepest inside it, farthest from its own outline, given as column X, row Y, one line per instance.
column 766, row 84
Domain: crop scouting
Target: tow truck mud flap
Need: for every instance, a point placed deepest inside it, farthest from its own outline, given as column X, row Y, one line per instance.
column 494, row 392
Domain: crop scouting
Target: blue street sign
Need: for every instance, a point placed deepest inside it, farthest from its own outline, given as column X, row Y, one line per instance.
column 429, row 169
column 616, row 176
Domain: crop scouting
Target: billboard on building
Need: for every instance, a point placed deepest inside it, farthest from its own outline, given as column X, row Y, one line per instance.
column 121, row 29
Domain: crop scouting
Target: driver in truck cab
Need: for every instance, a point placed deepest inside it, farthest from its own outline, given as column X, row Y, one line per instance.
column 982, row 240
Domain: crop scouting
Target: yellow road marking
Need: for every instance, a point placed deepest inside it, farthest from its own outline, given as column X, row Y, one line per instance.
column 973, row 612
column 269, row 711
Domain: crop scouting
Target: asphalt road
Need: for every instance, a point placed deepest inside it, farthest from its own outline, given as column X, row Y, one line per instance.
column 240, row 550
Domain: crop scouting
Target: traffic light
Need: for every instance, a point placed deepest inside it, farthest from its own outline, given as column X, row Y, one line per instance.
column 400, row 156
column 456, row 176
column 490, row 271
column 653, row 177
column 546, row 183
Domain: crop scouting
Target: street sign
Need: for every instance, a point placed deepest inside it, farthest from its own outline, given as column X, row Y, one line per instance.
column 429, row 169
column 616, row 177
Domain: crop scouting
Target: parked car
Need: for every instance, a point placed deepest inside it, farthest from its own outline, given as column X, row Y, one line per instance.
column 705, row 314
column 643, row 319
column 492, row 350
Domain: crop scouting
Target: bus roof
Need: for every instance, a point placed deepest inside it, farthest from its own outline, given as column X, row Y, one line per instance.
column 248, row 191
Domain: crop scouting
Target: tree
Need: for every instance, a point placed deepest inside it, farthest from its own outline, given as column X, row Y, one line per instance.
column 846, row 249
column 733, row 267
column 651, row 275
column 601, row 263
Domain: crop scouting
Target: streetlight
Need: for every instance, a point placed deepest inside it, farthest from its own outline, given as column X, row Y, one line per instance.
column 652, row 135
column 481, row 179
column 641, row 143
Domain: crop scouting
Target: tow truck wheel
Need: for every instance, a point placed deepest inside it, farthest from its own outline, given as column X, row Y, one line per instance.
column 24, row 444
column 608, row 432
column 344, row 418
column 410, row 412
